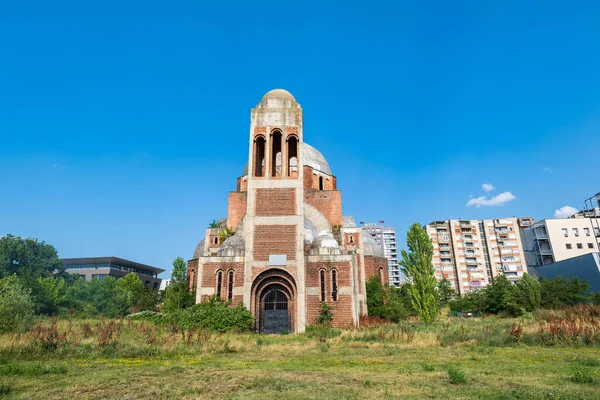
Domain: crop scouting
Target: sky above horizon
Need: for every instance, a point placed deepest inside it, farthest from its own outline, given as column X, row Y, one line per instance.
column 123, row 126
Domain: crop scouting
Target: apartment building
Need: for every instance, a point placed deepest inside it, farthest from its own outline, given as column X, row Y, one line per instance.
column 470, row 253
column 556, row 239
column 385, row 236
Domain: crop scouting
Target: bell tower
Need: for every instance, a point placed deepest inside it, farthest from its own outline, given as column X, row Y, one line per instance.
column 275, row 216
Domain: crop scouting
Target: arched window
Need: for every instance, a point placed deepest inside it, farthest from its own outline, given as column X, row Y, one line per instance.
column 381, row 274
column 216, row 240
column 276, row 153
column 334, row 288
column 351, row 238
column 219, row 283
column 322, row 273
column 292, row 153
column 321, row 183
column 230, row 286
column 259, row 156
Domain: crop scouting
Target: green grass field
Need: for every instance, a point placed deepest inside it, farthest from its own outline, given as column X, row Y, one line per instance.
column 452, row 359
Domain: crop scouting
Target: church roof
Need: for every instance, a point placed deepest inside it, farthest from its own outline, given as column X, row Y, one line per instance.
column 312, row 157
column 279, row 94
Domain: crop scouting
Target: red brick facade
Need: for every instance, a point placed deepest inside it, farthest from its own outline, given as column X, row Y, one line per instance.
column 274, row 239
column 236, row 208
column 210, row 277
column 273, row 202
column 377, row 266
column 329, row 203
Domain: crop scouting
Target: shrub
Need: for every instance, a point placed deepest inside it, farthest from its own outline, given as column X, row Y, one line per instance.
column 213, row 315
column 150, row 316
column 17, row 310
column 49, row 339
column 582, row 374
column 456, row 375
column 325, row 315
column 428, row 367
column 322, row 332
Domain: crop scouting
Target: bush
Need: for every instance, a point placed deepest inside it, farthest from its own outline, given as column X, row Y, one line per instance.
column 582, row 374
column 322, row 332
column 213, row 315
column 456, row 375
column 150, row 316
column 17, row 310
column 386, row 302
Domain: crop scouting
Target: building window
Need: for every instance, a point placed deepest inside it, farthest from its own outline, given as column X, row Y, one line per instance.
column 586, row 231
column 569, row 246
column 334, row 288
column 259, row 156
column 292, row 156
column 276, row 153
column 381, row 275
column 580, row 245
column 216, row 240
column 565, row 232
column 219, row 283
column 351, row 238
column 230, row 286
column 590, row 245
column 576, row 231
column 322, row 273
column 321, row 183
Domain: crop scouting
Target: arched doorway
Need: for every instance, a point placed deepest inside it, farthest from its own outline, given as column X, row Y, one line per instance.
column 274, row 310
column 274, row 302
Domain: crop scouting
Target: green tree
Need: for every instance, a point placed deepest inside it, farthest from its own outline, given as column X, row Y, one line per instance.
column 385, row 302
column 418, row 268
column 446, row 292
column 28, row 259
column 52, row 294
column 498, row 293
column 17, row 309
column 134, row 296
column 561, row 292
column 529, row 293
column 177, row 295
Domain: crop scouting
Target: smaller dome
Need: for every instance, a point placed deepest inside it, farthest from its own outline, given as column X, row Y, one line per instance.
column 371, row 247
column 310, row 232
column 199, row 252
column 279, row 94
column 232, row 246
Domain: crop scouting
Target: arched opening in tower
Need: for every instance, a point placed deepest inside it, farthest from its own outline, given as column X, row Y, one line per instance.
column 276, row 154
column 321, row 186
column 259, row 156
column 292, row 152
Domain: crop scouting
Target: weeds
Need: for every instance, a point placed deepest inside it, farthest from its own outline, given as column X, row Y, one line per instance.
column 456, row 375
column 428, row 367
column 35, row 369
column 582, row 374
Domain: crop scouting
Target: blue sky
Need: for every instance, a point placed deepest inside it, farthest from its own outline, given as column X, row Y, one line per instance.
column 123, row 126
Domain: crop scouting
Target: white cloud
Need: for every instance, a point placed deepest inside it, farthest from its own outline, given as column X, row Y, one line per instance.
column 488, row 187
column 565, row 212
column 492, row 201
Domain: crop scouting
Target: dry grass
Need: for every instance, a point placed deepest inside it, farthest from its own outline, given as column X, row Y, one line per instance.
column 377, row 361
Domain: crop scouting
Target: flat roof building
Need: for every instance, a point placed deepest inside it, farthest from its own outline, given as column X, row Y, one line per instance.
column 100, row 267
column 385, row 236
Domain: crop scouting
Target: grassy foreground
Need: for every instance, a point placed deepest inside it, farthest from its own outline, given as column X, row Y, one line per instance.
column 485, row 358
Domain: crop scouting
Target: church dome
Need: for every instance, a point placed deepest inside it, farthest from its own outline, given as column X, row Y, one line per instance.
column 232, row 246
column 312, row 157
column 371, row 247
column 310, row 232
column 199, row 252
column 278, row 94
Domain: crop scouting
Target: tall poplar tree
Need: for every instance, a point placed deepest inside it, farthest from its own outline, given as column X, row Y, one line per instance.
column 418, row 267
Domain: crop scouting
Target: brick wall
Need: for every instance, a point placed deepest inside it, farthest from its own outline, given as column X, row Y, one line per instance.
column 340, row 309
column 209, row 279
column 329, row 203
column 372, row 266
column 273, row 202
column 236, row 208
column 192, row 271
column 274, row 239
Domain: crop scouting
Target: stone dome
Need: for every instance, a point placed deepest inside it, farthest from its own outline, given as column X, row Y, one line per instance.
column 371, row 247
column 278, row 94
column 199, row 252
column 312, row 157
column 232, row 246
column 310, row 232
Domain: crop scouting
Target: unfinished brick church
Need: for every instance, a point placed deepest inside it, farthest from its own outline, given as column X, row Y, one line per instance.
column 292, row 248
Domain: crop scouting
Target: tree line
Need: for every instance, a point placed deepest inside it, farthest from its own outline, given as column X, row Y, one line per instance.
column 34, row 281
column 424, row 297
